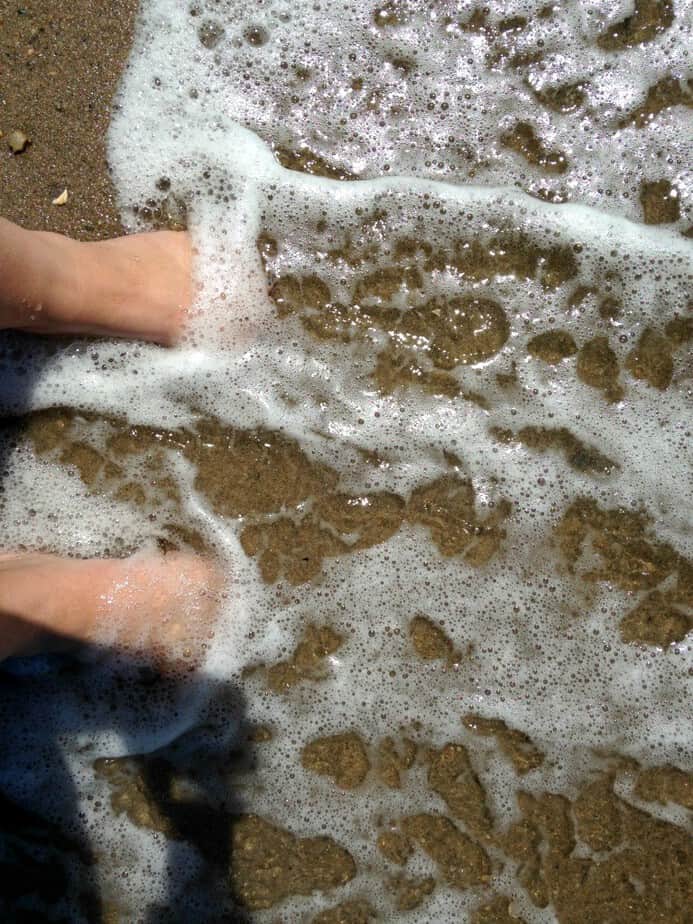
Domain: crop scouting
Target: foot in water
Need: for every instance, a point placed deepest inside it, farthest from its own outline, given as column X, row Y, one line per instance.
column 138, row 286
column 161, row 606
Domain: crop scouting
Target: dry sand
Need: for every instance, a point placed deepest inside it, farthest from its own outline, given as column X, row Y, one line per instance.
column 59, row 67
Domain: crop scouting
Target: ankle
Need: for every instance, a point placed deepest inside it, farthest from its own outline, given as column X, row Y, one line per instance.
column 138, row 286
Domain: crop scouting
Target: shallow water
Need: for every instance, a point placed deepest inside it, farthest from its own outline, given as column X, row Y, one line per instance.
column 436, row 429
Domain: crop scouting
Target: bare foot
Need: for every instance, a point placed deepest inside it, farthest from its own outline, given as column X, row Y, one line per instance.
column 161, row 606
column 137, row 286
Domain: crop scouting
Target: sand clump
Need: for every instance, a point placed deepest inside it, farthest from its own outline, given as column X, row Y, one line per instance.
column 430, row 642
column 593, row 886
column 307, row 661
column 410, row 893
column 635, row 561
column 523, row 139
column 395, row 846
column 542, row 439
column 356, row 912
column 665, row 784
column 461, row 861
column 269, row 864
column 342, row 757
column 649, row 19
column 452, row 777
column 271, row 475
column 514, row 744
column 651, row 360
column 394, row 759
column 597, row 366
column 552, row 346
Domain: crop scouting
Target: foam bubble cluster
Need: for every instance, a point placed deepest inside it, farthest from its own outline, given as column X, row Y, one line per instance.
column 560, row 100
column 436, row 429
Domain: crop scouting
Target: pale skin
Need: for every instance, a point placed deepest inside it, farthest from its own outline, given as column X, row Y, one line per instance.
column 138, row 286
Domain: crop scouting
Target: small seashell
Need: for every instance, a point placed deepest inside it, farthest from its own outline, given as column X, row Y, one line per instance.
column 17, row 141
column 61, row 199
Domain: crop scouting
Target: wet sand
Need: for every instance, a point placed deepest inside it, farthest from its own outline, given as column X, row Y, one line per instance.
column 60, row 69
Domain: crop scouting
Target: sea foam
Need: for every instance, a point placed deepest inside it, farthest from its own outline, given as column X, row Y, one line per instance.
column 407, row 101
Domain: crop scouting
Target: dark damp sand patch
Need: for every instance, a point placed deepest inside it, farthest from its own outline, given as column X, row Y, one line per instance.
column 307, row 661
column 270, row 864
column 579, row 456
column 648, row 20
column 451, row 772
column 665, row 784
column 636, row 561
column 266, row 863
column 562, row 98
column 513, row 743
column 133, row 795
column 651, row 360
column 524, row 140
column 660, row 202
column 679, row 330
column 343, row 758
column 396, row 370
column 410, row 892
column 656, row 621
column 306, row 161
column 597, row 819
column 355, row 912
column 460, row 860
column 430, row 642
column 394, row 759
column 274, row 481
column 668, row 92
column 641, row 870
column 429, row 336
column 61, row 63
column 452, row 777
column 610, row 308
column 597, row 366
column 547, row 842
column 552, row 346
column 395, row 846
column 496, row 911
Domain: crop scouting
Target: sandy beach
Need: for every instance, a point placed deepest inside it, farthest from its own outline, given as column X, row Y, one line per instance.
column 585, row 853
column 59, row 67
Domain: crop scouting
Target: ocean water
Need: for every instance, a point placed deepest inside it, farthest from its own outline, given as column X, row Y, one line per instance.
column 442, row 265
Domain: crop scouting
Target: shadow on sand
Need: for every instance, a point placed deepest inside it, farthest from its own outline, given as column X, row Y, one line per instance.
column 57, row 716
column 174, row 741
